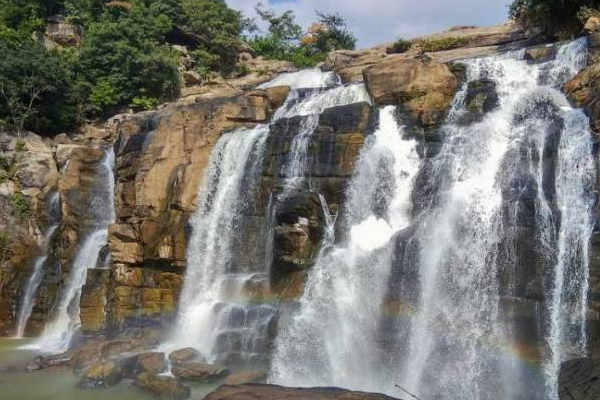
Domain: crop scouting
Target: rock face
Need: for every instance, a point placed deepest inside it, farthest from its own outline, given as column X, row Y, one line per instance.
column 423, row 87
column 272, row 392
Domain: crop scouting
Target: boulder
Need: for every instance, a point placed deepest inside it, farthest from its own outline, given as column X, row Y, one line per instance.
column 192, row 78
column 481, row 98
column 423, row 87
column 540, row 54
column 241, row 378
column 162, row 387
column 183, row 355
column 592, row 29
column 154, row 363
column 584, row 92
column 101, row 375
column 579, row 379
column 200, row 372
column 264, row 392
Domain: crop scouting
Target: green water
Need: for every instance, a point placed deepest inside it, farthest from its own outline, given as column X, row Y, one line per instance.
column 61, row 384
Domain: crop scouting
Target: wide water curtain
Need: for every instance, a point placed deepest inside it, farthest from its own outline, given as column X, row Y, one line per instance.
column 216, row 315
column 463, row 275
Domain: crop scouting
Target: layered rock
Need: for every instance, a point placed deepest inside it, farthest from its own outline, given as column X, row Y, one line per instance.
column 265, row 392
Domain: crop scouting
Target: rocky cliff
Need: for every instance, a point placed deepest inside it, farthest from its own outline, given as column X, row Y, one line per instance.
column 161, row 157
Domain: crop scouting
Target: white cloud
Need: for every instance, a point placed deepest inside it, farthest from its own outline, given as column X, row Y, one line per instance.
column 378, row 21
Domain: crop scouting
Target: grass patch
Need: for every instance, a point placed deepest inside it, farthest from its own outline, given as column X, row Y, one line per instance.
column 449, row 43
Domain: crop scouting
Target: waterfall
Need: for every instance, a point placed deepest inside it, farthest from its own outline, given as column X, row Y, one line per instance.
column 502, row 214
column 458, row 334
column 331, row 340
column 58, row 333
column 215, row 314
column 37, row 275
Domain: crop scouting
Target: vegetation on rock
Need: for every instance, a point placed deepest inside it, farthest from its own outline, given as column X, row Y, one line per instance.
column 562, row 19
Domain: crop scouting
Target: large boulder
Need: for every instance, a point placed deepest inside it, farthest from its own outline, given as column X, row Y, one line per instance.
column 162, row 387
column 423, row 87
column 200, row 372
column 242, row 378
column 584, row 91
column 183, row 355
column 101, row 375
column 153, row 362
column 272, row 392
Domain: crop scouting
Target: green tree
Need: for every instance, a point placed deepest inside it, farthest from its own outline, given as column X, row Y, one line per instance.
column 335, row 34
column 35, row 89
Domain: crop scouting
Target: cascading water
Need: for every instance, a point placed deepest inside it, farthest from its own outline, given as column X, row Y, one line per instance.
column 58, row 333
column 458, row 332
column 333, row 337
column 38, row 268
column 215, row 314
column 524, row 166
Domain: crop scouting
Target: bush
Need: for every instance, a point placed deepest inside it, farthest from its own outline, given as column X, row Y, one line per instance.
column 399, row 46
column 20, row 205
column 5, row 244
column 555, row 18
column 449, row 43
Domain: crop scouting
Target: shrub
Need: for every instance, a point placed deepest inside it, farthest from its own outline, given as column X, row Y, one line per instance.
column 5, row 244
column 556, row 18
column 20, row 205
column 432, row 45
column 399, row 46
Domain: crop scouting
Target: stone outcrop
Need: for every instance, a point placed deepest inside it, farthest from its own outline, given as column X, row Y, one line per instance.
column 421, row 86
column 584, row 91
column 272, row 392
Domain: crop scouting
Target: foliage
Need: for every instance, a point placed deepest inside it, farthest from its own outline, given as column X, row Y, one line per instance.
column 20, row 205
column 400, row 46
column 285, row 39
column 35, row 88
column 431, row 45
column 556, row 18
column 5, row 244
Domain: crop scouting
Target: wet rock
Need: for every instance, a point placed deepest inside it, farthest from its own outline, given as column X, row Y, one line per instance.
column 263, row 392
column 245, row 377
column 163, row 387
column 423, row 87
column 199, row 372
column 540, row 54
column 481, row 98
column 584, row 92
column 154, row 363
column 183, row 355
column 580, row 379
column 101, row 375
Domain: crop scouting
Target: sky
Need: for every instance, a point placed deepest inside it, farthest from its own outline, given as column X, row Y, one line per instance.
column 379, row 21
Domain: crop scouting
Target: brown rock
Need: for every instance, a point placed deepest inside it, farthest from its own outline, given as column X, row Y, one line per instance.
column 245, row 377
column 123, row 244
column 163, row 387
column 540, row 54
column 153, row 363
column 183, row 355
column 425, row 88
column 200, row 372
column 584, row 91
column 103, row 374
column 277, row 95
column 270, row 392
column 192, row 78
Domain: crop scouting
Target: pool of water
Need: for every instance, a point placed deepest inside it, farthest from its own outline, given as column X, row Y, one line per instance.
column 61, row 383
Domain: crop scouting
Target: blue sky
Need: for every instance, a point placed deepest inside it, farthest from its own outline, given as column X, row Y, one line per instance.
column 379, row 21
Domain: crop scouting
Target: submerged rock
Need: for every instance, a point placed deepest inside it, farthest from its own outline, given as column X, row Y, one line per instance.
column 163, row 387
column 200, row 372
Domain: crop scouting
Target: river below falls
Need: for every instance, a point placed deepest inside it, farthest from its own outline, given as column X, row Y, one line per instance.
column 61, row 383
